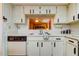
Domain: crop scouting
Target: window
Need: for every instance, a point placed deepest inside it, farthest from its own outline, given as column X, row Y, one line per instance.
column 39, row 23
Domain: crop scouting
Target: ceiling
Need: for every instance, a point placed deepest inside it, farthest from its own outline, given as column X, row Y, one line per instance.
column 33, row 4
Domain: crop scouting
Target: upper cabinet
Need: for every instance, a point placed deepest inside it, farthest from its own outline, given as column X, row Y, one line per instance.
column 77, row 12
column 39, row 9
column 61, row 14
column 73, row 12
column 7, row 12
column 31, row 10
column 18, row 15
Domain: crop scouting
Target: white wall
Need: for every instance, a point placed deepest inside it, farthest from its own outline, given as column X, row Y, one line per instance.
column 1, row 29
column 7, row 12
column 24, row 29
column 75, row 28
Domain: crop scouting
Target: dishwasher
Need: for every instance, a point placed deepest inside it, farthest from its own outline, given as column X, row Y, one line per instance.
column 17, row 45
column 72, row 47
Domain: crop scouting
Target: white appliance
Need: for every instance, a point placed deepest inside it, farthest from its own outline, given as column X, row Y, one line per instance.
column 17, row 45
column 72, row 47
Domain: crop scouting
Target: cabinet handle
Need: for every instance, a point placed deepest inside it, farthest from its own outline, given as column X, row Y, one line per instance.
column 78, row 16
column 37, row 44
column 39, row 12
column 30, row 11
column 46, row 11
column 73, row 17
column 74, row 50
column 58, row 20
column 40, row 7
column 54, row 44
column 21, row 20
column 33, row 10
column 58, row 38
column 42, row 44
column 49, row 11
column 71, row 41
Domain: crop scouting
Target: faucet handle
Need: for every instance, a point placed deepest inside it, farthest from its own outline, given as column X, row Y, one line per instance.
column 41, row 32
column 47, row 33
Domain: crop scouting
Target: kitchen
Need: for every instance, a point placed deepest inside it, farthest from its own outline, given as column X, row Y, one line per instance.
column 40, row 29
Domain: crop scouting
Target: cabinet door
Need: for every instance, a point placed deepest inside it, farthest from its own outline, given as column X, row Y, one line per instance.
column 33, row 48
column 45, row 48
column 77, row 9
column 35, row 10
column 77, row 6
column 51, row 9
column 71, row 12
column 31, row 9
column 62, row 14
column 27, row 9
column 18, row 14
column 71, row 50
column 58, row 49
column 42, row 10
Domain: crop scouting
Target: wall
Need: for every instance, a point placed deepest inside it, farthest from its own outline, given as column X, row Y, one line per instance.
column 75, row 28
column 7, row 12
column 24, row 29
column 1, row 22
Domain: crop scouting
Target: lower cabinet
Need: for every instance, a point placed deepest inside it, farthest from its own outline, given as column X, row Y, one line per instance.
column 39, row 48
column 33, row 48
column 52, row 47
column 58, row 49
column 72, row 48
column 45, row 48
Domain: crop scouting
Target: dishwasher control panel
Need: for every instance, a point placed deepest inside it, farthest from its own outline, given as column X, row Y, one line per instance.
column 17, row 38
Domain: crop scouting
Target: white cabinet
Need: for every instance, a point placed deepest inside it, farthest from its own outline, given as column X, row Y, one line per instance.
column 72, row 12
column 27, row 9
column 77, row 6
column 45, row 48
column 31, row 10
column 48, row 10
column 52, row 10
column 7, row 11
column 71, row 47
column 38, row 47
column 42, row 9
column 39, row 9
column 77, row 11
column 61, row 14
column 71, row 50
column 18, row 15
column 58, row 49
column 33, row 48
column 58, row 46
column 55, row 46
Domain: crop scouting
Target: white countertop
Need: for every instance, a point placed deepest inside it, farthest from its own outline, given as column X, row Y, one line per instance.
column 61, row 35
column 73, row 37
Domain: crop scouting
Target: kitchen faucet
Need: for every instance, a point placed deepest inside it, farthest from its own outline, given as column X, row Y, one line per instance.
column 45, row 34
